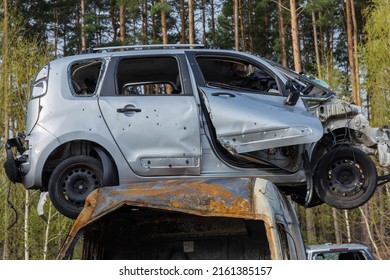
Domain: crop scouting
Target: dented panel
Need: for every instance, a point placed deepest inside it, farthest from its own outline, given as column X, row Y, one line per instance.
column 163, row 138
column 246, row 122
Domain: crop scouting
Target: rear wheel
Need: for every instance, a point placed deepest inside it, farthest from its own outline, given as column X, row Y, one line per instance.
column 72, row 181
column 345, row 178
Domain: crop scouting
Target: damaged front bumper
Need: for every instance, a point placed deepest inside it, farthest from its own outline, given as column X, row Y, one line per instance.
column 13, row 165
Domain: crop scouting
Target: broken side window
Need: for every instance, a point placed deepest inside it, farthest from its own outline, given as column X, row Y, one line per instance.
column 235, row 74
column 84, row 77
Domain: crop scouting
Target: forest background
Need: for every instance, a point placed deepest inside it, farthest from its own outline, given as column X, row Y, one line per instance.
column 343, row 42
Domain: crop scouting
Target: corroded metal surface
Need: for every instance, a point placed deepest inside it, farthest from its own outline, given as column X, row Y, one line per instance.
column 217, row 197
column 246, row 198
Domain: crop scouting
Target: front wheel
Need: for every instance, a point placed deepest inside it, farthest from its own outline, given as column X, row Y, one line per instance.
column 72, row 181
column 345, row 178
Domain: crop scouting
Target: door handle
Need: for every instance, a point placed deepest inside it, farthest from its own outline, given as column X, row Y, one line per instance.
column 223, row 94
column 128, row 110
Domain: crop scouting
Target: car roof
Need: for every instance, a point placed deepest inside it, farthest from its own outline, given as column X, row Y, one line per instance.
column 144, row 50
column 140, row 50
column 327, row 247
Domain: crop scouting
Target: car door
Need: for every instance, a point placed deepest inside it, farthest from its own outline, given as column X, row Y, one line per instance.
column 246, row 105
column 153, row 116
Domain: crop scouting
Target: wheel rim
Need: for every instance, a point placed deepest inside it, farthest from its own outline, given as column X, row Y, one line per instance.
column 346, row 178
column 77, row 183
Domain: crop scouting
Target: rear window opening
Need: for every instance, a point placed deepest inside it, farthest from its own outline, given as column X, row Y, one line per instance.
column 149, row 76
column 143, row 233
column 85, row 76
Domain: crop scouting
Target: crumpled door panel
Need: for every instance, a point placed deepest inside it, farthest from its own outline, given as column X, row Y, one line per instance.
column 246, row 122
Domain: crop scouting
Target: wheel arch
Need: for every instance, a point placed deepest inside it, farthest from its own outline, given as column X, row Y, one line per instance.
column 82, row 147
column 338, row 136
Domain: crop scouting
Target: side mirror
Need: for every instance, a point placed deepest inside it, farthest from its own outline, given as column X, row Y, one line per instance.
column 294, row 94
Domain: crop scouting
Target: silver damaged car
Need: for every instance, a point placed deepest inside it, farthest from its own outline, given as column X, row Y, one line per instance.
column 123, row 115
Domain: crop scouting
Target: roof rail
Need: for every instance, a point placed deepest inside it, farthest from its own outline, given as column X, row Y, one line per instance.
column 143, row 47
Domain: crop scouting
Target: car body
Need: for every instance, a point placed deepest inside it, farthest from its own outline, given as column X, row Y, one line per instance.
column 230, row 218
column 347, row 251
column 149, row 113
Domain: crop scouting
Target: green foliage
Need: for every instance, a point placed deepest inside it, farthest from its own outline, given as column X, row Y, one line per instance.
column 376, row 55
column 161, row 7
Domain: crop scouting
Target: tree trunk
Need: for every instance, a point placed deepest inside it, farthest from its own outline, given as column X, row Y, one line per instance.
column 355, row 50
column 295, row 37
column 213, row 22
column 204, row 21
column 122, row 23
column 347, row 225
column 236, row 32
column 113, row 20
column 164, row 25
column 47, row 231
column 64, row 36
column 310, row 227
column 351, row 54
column 266, row 31
column 26, row 225
column 154, row 26
column 191, row 23
column 250, row 29
column 337, row 231
column 145, row 22
column 83, row 39
column 282, row 34
column 382, row 214
column 322, row 40
column 368, row 227
column 182, row 23
column 318, row 61
column 56, row 24
column 242, row 25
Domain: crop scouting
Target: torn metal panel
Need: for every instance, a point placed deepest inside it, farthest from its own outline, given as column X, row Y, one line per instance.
column 265, row 139
column 257, row 122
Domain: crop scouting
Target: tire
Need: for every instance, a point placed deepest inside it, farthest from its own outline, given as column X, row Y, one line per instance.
column 72, row 181
column 345, row 178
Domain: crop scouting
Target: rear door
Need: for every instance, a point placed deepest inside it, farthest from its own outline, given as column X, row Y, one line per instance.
column 246, row 106
column 152, row 114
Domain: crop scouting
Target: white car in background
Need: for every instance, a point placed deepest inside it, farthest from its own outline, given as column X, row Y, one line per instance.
column 348, row 251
